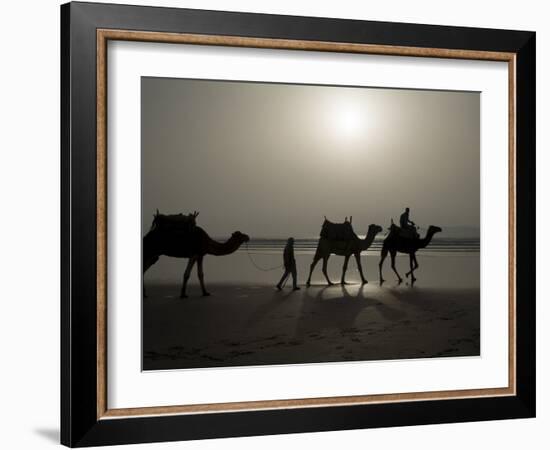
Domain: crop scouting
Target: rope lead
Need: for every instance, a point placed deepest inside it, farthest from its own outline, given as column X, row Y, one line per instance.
column 263, row 269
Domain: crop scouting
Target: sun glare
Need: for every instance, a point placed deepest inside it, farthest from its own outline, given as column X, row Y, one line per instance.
column 348, row 121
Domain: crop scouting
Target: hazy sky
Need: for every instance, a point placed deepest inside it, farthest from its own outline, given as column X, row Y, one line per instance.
column 271, row 160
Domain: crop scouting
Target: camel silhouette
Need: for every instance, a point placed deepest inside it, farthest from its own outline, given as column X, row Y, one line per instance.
column 395, row 242
column 346, row 244
column 192, row 243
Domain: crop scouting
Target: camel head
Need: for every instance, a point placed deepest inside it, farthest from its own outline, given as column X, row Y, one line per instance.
column 375, row 228
column 434, row 229
column 240, row 237
column 371, row 233
column 155, row 220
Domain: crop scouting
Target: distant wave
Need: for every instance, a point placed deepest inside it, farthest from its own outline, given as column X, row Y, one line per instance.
column 308, row 245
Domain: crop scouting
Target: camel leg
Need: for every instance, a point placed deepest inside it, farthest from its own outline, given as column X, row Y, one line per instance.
column 413, row 265
column 186, row 276
column 410, row 265
column 413, row 279
column 360, row 268
column 201, row 277
column 344, row 269
column 325, row 263
column 148, row 262
column 392, row 255
column 383, row 255
column 316, row 259
column 411, row 272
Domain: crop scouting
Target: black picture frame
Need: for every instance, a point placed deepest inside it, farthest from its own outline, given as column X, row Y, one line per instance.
column 80, row 425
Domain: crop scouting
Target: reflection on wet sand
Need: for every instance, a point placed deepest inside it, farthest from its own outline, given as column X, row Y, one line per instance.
column 256, row 325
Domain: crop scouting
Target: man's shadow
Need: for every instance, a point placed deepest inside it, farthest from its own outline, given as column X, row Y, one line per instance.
column 263, row 310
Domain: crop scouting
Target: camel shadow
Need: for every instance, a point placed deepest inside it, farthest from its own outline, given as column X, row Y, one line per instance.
column 397, row 283
column 333, row 308
column 414, row 298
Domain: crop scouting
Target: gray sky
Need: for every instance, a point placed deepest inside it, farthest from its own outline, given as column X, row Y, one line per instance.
column 271, row 160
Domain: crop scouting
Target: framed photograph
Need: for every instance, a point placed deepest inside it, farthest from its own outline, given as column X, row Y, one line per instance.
column 277, row 224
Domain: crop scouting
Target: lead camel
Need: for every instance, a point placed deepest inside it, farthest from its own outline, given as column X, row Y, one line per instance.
column 192, row 243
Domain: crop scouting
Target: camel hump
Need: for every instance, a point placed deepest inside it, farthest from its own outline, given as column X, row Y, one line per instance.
column 175, row 222
column 338, row 231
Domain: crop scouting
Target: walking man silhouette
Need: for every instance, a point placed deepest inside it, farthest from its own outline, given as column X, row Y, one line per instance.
column 290, row 265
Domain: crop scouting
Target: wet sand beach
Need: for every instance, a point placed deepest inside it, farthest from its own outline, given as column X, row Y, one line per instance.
column 247, row 322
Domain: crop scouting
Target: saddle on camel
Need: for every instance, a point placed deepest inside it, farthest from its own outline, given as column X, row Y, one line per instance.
column 407, row 233
column 338, row 231
column 175, row 222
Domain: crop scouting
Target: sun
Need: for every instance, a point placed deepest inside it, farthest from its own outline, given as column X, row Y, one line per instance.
column 347, row 120
column 344, row 119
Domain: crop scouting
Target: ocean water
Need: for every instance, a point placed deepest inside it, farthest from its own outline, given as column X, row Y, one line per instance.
column 308, row 245
column 448, row 262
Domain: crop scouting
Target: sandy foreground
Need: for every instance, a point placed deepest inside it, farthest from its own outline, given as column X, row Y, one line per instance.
column 247, row 322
